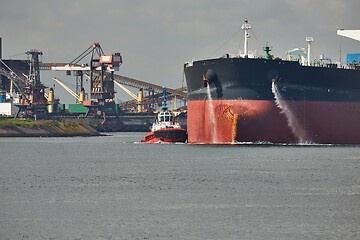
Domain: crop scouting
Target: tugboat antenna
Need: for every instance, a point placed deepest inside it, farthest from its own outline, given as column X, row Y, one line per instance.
column 164, row 107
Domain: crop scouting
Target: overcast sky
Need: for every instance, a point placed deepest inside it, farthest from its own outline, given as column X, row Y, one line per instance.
column 156, row 37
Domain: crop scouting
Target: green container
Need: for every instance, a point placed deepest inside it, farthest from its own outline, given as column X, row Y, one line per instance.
column 77, row 108
column 60, row 106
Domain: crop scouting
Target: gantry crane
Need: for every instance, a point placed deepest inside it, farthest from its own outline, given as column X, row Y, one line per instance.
column 33, row 102
column 101, row 71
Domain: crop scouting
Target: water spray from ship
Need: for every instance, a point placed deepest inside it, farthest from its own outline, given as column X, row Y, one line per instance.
column 211, row 111
column 296, row 128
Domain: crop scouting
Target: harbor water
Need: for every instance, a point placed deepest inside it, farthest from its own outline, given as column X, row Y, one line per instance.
column 114, row 187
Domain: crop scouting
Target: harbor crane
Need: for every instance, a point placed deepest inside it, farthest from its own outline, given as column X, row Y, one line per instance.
column 32, row 102
column 108, row 78
column 101, row 71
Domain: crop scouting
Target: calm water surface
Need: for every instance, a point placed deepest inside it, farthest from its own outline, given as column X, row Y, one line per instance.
column 113, row 187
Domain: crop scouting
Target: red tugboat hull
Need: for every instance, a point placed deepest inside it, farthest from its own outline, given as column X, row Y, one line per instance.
column 169, row 135
column 263, row 121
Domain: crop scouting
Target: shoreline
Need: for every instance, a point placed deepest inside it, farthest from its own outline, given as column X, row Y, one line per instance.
column 45, row 128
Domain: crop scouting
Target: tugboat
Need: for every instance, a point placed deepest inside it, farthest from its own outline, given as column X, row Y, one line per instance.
column 165, row 129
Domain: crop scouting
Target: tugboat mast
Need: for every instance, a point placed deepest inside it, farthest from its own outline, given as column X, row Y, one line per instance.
column 164, row 106
column 246, row 26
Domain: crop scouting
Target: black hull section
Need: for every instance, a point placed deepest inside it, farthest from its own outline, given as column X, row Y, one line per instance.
column 251, row 79
column 171, row 134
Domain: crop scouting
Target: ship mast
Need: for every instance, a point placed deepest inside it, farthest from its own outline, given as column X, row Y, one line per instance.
column 309, row 40
column 246, row 26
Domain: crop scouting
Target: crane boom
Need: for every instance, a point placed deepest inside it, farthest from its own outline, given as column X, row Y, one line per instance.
column 70, row 68
column 141, row 84
column 12, row 76
column 98, row 60
column 67, row 88
column 83, row 67
column 126, row 90
column 95, row 46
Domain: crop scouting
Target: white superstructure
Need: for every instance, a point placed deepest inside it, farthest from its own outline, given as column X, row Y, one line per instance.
column 353, row 34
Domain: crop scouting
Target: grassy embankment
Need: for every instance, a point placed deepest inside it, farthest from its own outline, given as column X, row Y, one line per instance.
column 48, row 128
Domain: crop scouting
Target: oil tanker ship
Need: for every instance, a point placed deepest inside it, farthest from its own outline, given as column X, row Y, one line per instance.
column 245, row 98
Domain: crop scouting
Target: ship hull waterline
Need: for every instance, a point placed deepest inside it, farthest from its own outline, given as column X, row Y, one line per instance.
column 239, row 121
column 170, row 135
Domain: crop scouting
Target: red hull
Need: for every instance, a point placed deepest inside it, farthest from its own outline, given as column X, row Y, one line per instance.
column 263, row 121
column 169, row 135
